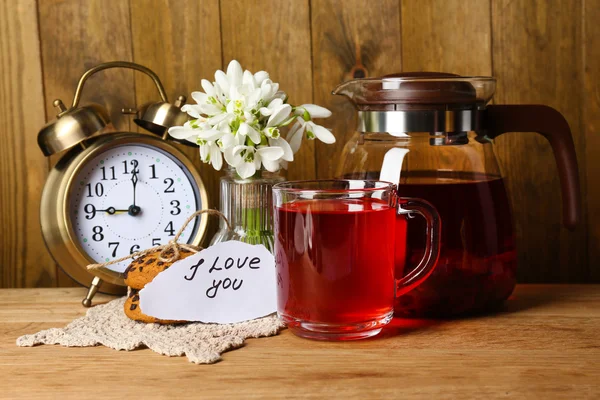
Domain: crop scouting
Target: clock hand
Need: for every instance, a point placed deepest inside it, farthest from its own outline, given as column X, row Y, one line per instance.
column 112, row 210
column 133, row 209
column 134, row 180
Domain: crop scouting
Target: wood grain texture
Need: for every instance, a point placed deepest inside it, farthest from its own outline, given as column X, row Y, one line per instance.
column 350, row 39
column 181, row 42
column 543, row 345
column 434, row 37
column 76, row 36
column 543, row 51
column 430, row 43
column 537, row 60
column 23, row 168
column 278, row 44
column 591, row 126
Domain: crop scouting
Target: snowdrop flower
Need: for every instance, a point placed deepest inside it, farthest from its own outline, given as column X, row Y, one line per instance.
column 288, row 154
column 260, row 77
column 313, row 111
column 323, row 134
column 268, row 90
column 306, row 113
column 184, row 133
column 241, row 116
column 247, row 130
column 278, row 116
column 210, row 153
column 269, row 109
column 190, row 130
column 294, row 136
column 247, row 159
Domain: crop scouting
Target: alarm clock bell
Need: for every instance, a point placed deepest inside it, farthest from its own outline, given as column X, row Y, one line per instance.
column 73, row 126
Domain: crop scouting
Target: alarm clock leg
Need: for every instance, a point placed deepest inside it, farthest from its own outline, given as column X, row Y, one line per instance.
column 87, row 301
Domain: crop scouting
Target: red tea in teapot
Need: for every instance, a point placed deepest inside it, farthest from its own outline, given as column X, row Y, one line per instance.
column 476, row 269
column 433, row 133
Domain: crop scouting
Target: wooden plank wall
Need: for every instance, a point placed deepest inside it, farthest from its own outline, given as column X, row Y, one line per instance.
column 542, row 51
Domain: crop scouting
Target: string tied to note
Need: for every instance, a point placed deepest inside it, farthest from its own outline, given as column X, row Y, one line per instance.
column 171, row 251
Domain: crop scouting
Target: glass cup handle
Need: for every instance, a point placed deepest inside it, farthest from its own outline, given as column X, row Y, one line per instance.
column 418, row 275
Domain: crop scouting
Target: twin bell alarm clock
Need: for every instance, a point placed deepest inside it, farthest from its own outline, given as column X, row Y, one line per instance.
column 115, row 193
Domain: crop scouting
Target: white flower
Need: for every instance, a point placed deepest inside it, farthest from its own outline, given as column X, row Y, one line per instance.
column 268, row 90
column 288, row 154
column 322, row 133
column 313, row 111
column 189, row 131
column 234, row 74
column 247, row 159
column 210, row 153
column 304, row 124
column 278, row 116
column 241, row 116
column 273, row 105
column 183, row 133
column 260, row 77
column 247, row 130
column 294, row 136
column 229, row 140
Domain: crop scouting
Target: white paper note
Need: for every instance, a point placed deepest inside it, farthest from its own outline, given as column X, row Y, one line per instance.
column 225, row 283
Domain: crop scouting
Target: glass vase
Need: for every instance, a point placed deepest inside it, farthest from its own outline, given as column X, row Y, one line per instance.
column 248, row 206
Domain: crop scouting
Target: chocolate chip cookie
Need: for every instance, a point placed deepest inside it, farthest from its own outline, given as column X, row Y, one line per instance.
column 144, row 269
column 134, row 312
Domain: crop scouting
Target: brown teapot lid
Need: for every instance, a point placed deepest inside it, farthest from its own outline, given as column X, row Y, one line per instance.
column 418, row 90
column 428, row 88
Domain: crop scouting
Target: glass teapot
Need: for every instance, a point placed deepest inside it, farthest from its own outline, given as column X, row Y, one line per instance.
column 432, row 134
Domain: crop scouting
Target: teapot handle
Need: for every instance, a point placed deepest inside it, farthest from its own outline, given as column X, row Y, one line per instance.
column 552, row 125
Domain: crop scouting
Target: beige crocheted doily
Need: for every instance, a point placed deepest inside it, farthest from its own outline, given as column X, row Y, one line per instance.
column 107, row 325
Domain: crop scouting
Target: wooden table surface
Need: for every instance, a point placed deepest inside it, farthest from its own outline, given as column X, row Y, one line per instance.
column 546, row 344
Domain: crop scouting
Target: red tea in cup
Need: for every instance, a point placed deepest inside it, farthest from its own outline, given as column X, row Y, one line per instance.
column 340, row 259
column 335, row 249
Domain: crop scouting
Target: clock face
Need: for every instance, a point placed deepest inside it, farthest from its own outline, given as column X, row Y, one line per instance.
column 130, row 198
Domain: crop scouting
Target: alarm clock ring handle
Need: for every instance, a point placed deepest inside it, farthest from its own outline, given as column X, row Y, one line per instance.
column 118, row 64
column 155, row 117
column 76, row 124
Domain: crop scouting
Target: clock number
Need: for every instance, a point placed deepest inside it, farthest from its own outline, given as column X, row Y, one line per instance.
column 90, row 210
column 169, row 229
column 169, row 182
column 116, row 244
column 156, row 242
column 134, row 164
column 112, row 170
column 98, row 190
column 134, row 248
column 176, row 210
column 153, row 167
column 97, row 236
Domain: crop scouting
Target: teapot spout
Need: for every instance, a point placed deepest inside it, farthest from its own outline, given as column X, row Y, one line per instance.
column 368, row 93
column 348, row 89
